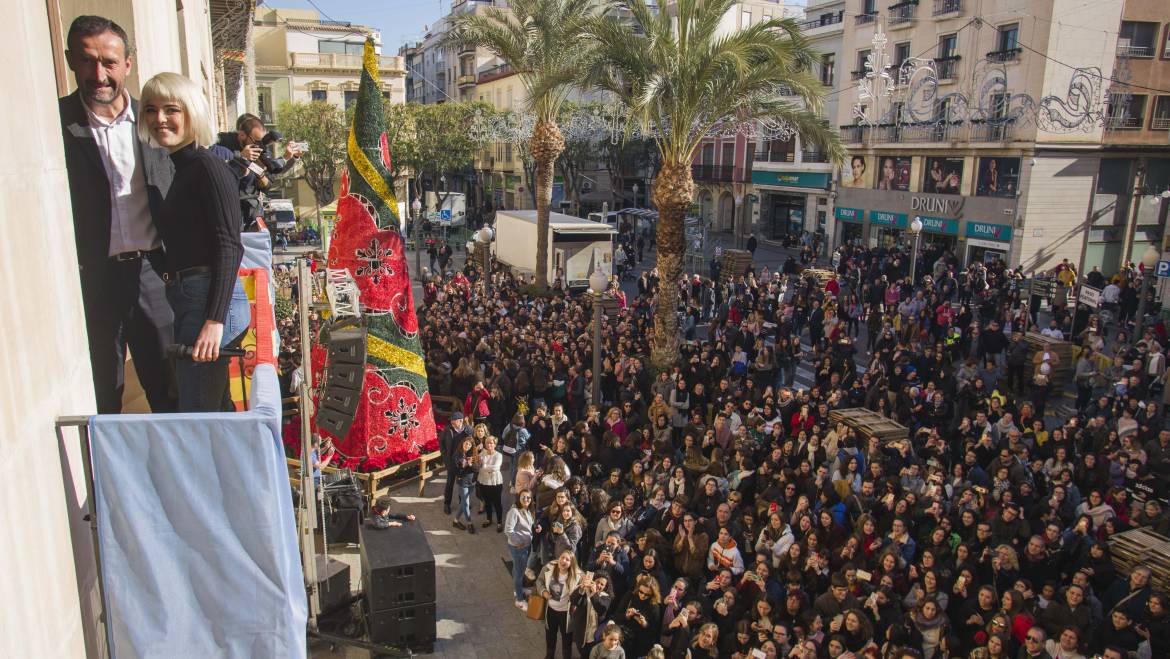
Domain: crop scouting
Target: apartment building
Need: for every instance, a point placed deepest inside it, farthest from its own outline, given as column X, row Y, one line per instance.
column 1000, row 152
column 439, row 72
column 722, row 166
column 792, row 181
column 302, row 57
column 1128, row 212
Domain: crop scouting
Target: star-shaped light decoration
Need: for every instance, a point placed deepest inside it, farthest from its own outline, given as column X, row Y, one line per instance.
column 877, row 84
column 375, row 259
column 403, row 417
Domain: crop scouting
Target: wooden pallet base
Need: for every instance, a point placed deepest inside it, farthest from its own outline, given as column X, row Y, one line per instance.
column 1142, row 546
column 870, row 424
column 377, row 483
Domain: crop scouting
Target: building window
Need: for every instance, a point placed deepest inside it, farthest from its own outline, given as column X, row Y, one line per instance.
column 828, row 68
column 318, row 95
column 508, row 152
column 1137, row 39
column 867, row 7
column 947, row 45
column 901, row 53
column 777, row 150
column 1007, row 43
column 947, row 60
column 343, row 47
column 862, row 56
column 350, row 97
column 746, row 18
column 385, row 95
column 264, row 104
column 1161, row 118
column 1125, row 111
column 1166, row 43
column 727, row 158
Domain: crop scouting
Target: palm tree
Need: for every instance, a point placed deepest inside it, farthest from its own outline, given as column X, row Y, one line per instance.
column 680, row 79
column 536, row 38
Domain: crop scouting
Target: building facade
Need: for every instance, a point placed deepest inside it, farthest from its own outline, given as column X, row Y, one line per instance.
column 1004, row 148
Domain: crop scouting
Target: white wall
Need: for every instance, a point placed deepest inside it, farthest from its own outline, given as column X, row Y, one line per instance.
column 44, row 369
column 1056, row 197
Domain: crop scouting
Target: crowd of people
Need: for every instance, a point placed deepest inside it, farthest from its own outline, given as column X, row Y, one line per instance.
column 715, row 510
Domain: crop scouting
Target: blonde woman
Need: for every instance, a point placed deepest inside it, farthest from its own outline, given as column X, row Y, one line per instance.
column 200, row 229
column 491, row 482
column 556, row 584
column 526, row 473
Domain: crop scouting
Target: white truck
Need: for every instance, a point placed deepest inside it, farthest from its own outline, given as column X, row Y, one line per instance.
column 280, row 215
column 454, row 210
column 575, row 246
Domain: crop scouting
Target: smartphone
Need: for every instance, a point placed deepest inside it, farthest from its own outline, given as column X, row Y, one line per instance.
column 862, row 575
column 589, row 576
column 758, row 654
column 960, row 582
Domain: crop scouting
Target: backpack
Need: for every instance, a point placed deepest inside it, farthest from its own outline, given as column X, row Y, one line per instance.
column 509, row 440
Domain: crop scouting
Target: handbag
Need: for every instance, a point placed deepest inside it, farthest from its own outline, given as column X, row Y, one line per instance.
column 536, row 606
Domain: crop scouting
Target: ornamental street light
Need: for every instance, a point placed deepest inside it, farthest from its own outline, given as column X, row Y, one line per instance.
column 484, row 238
column 597, row 285
column 416, row 210
column 1149, row 262
column 916, row 231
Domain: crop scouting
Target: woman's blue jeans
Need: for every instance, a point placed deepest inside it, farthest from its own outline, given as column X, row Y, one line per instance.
column 519, row 562
column 203, row 386
column 463, row 510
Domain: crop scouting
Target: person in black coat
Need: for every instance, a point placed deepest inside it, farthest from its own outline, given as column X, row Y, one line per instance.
column 449, row 441
column 119, row 251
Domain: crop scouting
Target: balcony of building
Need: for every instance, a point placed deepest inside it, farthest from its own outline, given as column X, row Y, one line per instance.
column 494, row 73
column 1123, row 123
column 827, row 22
column 993, row 131
column 466, row 50
column 1005, row 55
column 465, row 81
column 902, row 14
column 1127, row 50
column 863, row 19
column 339, row 62
column 715, row 174
column 947, row 68
column 943, row 7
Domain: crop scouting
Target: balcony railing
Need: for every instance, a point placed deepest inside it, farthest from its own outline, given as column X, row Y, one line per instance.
column 857, row 75
column 929, row 132
column 948, row 67
column 814, row 156
column 1006, row 55
column 827, row 19
column 993, row 132
column 1123, row 123
column 902, row 13
column 853, row 133
column 934, row 131
column 862, row 19
column 1135, row 51
column 341, row 61
column 947, row 7
column 775, row 156
column 465, row 81
column 713, row 173
column 1160, row 123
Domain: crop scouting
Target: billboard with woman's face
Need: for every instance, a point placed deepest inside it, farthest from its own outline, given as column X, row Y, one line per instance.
column 998, row 177
column 893, row 173
column 853, row 173
column 943, row 175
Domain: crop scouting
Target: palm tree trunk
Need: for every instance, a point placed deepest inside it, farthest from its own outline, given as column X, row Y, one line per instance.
column 673, row 190
column 547, row 143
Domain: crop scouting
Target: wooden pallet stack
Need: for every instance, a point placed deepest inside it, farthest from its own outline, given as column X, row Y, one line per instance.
column 733, row 263
column 823, row 276
column 868, row 424
column 1062, row 373
column 1135, row 547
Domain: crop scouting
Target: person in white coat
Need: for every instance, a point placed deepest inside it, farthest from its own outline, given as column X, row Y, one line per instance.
column 491, row 483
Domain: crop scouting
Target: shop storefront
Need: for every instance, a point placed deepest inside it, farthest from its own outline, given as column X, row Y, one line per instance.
column 939, row 233
column 850, row 226
column 887, row 229
column 788, row 205
column 987, row 242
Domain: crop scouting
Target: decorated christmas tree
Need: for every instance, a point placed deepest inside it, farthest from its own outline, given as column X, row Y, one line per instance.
column 394, row 421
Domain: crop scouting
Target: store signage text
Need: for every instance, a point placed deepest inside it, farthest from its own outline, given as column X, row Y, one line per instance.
column 888, row 219
column 941, row 205
column 939, row 225
column 999, row 232
column 848, row 214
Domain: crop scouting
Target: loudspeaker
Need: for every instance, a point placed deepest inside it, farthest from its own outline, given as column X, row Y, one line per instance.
column 346, row 376
column 409, row 626
column 343, row 525
column 398, row 567
column 343, row 385
column 347, row 346
column 332, row 584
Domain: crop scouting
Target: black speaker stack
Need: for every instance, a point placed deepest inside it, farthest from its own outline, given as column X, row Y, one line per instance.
column 398, row 577
column 345, row 373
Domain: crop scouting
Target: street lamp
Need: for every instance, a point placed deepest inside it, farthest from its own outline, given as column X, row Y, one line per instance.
column 484, row 238
column 916, row 231
column 416, row 210
column 1149, row 262
column 597, row 285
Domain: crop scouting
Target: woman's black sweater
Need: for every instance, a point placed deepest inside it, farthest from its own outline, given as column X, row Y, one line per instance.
column 200, row 224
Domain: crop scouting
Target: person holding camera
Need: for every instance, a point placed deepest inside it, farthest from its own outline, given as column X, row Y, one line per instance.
column 246, row 150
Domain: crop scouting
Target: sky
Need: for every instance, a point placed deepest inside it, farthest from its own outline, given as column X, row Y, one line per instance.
column 398, row 20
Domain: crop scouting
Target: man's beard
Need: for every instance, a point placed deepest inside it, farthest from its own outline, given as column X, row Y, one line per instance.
column 101, row 94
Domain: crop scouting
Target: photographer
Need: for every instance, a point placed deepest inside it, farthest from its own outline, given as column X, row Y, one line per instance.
column 248, row 154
